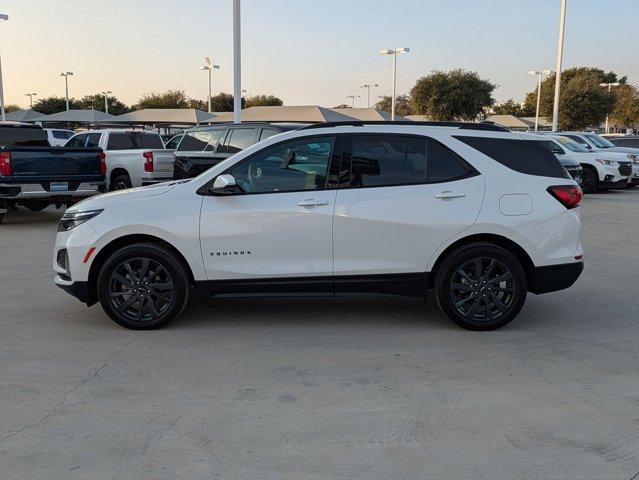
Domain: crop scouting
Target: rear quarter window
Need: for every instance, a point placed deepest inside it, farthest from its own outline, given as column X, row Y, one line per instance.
column 532, row 157
column 134, row 141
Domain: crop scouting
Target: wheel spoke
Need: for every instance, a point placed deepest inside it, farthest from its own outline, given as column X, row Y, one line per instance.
column 460, row 287
column 502, row 278
column 162, row 286
column 493, row 262
column 478, row 268
column 501, row 306
column 140, row 308
column 123, row 280
column 464, row 301
column 489, row 313
column 126, row 304
column 505, row 290
column 144, row 268
column 119, row 294
column 472, row 308
column 465, row 276
column 127, row 265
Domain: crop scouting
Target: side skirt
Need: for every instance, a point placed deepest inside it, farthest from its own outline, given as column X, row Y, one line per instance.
column 405, row 284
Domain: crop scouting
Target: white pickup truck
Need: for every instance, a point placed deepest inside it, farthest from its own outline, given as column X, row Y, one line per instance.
column 134, row 158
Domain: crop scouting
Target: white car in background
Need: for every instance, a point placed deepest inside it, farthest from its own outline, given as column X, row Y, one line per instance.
column 592, row 141
column 58, row 137
column 477, row 214
column 601, row 169
column 134, row 158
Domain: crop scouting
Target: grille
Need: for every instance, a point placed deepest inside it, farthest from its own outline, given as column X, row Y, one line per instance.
column 625, row 168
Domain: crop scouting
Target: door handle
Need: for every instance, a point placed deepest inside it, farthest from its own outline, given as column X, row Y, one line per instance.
column 309, row 202
column 449, row 194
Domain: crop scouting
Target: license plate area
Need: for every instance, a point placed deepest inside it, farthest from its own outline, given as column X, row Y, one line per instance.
column 59, row 186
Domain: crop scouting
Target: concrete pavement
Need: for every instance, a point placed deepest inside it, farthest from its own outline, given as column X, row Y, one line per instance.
column 316, row 389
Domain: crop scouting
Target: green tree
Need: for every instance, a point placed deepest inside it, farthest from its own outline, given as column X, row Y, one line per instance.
column 223, row 102
column 509, row 107
column 12, row 107
column 169, row 99
column 263, row 100
column 199, row 104
column 402, row 104
column 53, row 104
column 96, row 102
column 455, row 95
column 583, row 103
column 625, row 112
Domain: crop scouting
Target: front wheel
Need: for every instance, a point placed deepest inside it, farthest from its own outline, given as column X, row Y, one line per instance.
column 481, row 287
column 143, row 286
column 589, row 181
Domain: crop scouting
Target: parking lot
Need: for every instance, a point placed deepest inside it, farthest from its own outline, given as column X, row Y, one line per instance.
column 316, row 389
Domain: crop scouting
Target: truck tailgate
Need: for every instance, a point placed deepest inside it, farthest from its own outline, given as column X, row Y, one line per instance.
column 43, row 165
column 163, row 163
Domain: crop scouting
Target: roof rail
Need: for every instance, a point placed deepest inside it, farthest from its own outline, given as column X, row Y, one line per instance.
column 461, row 125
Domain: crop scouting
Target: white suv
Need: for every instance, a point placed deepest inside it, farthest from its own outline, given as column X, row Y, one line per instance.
column 479, row 215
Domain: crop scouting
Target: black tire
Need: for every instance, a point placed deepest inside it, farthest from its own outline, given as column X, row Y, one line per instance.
column 121, row 288
column 480, row 296
column 121, row 182
column 2, row 217
column 589, row 180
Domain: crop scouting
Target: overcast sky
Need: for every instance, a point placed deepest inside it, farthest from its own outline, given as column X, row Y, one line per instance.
column 303, row 51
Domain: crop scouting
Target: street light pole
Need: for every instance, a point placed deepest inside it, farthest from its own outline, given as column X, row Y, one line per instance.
column 560, row 54
column 368, row 87
column 394, row 53
column 353, row 97
column 66, row 86
column 209, row 66
column 609, row 85
column 541, row 74
column 30, row 95
column 3, row 17
column 237, row 65
column 106, row 103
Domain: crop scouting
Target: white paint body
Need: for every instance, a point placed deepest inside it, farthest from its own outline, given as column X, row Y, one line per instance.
column 357, row 231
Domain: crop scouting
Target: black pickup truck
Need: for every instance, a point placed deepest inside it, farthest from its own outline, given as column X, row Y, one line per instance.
column 35, row 175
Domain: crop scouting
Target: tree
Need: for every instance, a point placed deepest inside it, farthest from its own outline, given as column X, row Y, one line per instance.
column 12, row 107
column 263, row 100
column 455, row 95
column 509, row 107
column 625, row 112
column 402, row 104
column 583, row 103
column 199, row 104
column 169, row 99
column 49, row 105
column 223, row 102
column 96, row 102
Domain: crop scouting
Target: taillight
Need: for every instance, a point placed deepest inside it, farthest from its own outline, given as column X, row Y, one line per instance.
column 5, row 164
column 570, row 196
column 148, row 161
column 102, row 163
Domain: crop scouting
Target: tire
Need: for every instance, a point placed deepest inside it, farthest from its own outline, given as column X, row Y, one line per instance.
column 2, row 217
column 121, row 182
column 589, row 181
column 123, row 274
column 467, row 301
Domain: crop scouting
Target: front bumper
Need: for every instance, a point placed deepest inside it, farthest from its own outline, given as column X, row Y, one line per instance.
column 79, row 290
column 554, row 277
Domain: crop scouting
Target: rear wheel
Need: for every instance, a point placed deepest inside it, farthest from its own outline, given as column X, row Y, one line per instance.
column 121, row 182
column 143, row 286
column 481, row 287
column 589, row 180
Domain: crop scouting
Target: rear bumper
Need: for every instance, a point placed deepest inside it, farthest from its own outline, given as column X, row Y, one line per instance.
column 23, row 191
column 554, row 277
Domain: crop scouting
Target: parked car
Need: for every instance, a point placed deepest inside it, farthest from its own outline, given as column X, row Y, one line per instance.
column 203, row 147
column 58, row 137
column 173, row 142
column 479, row 215
column 627, row 141
column 35, row 175
column 601, row 170
column 134, row 158
column 595, row 142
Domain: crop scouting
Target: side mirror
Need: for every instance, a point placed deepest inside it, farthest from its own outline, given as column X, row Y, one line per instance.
column 224, row 185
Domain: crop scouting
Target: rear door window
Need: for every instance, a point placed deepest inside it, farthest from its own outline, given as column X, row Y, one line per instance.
column 195, row 141
column 532, row 157
column 216, row 135
column 77, row 141
column 238, row 139
column 93, row 139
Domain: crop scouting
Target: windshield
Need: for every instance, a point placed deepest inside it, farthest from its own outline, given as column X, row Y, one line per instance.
column 598, row 141
column 571, row 144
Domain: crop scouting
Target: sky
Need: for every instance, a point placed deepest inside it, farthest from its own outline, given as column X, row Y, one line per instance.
column 307, row 52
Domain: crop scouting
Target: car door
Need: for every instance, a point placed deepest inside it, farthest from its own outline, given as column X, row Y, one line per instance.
column 275, row 234
column 400, row 198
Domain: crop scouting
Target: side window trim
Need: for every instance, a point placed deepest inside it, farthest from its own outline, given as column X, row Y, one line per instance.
column 335, row 159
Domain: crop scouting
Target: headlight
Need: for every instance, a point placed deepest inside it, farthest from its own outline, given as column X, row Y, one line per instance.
column 607, row 162
column 72, row 219
column 634, row 158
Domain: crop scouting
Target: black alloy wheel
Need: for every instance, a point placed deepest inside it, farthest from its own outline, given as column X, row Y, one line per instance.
column 481, row 286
